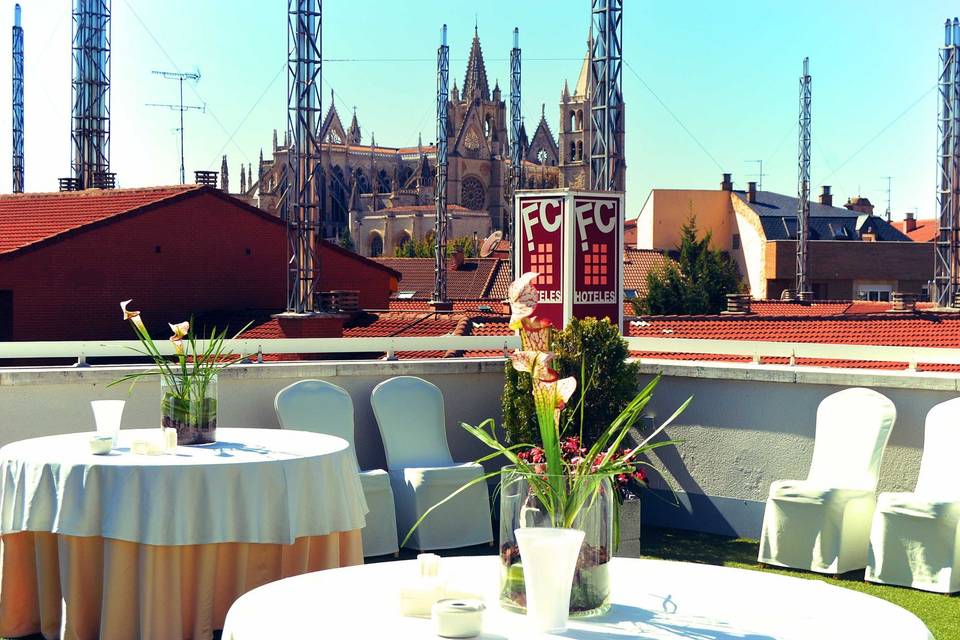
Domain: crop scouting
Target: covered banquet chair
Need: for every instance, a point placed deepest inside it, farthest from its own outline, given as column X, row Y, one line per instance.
column 410, row 415
column 915, row 538
column 822, row 523
column 322, row 407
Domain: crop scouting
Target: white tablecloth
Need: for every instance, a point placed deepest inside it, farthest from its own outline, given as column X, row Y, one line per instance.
column 653, row 599
column 253, row 486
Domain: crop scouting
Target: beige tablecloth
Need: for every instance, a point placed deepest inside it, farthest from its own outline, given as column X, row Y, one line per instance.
column 126, row 546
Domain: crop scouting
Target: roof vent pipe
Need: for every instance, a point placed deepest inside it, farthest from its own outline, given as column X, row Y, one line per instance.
column 738, row 304
column 903, row 302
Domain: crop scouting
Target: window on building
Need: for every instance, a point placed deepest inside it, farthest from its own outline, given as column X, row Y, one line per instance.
column 473, row 196
column 875, row 292
column 6, row 315
column 580, row 150
column 406, row 295
column 376, row 245
column 736, row 241
column 572, row 122
column 630, row 294
column 580, row 119
column 573, row 151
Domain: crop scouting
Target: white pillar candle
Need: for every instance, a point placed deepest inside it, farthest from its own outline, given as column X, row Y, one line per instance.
column 549, row 557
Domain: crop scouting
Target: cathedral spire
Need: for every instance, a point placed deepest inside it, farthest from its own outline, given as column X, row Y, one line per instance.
column 224, row 176
column 476, row 79
column 243, row 179
column 353, row 133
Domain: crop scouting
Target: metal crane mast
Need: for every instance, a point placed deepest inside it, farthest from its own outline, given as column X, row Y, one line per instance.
column 946, row 272
column 301, row 198
column 606, row 81
column 803, row 186
column 17, row 102
column 90, row 133
column 440, row 188
column 516, row 151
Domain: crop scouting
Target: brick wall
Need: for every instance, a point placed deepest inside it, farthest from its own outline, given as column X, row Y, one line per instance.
column 848, row 260
column 198, row 254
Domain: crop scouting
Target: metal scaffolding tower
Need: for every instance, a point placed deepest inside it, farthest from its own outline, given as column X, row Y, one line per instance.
column 176, row 75
column 90, row 133
column 302, row 195
column 17, row 102
column 803, row 186
column 516, row 121
column 606, row 81
column 946, row 271
column 440, row 188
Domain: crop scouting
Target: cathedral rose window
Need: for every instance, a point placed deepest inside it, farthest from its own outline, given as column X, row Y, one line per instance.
column 472, row 194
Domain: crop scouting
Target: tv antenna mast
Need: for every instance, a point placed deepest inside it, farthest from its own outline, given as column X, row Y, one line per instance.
column 759, row 176
column 889, row 180
column 176, row 75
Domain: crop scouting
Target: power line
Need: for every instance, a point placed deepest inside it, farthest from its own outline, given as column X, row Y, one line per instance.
column 673, row 115
column 881, row 132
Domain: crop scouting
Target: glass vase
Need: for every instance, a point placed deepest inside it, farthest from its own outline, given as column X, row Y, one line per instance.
column 522, row 505
column 190, row 407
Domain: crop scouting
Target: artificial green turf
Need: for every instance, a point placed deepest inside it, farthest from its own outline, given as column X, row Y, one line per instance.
column 941, row 613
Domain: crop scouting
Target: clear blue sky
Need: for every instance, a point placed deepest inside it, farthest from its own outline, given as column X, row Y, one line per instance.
column 728, row 71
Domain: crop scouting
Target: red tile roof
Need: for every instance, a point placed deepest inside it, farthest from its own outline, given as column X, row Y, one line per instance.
column 408, row 325
column 924, row 231
column 474, row 279
column 421, row 208
column 460, row 305
column 823, row 307
column 637, row 263
column 920, row 330
column 30, row 218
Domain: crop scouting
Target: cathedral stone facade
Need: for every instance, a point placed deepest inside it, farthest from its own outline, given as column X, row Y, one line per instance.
column 382, row 195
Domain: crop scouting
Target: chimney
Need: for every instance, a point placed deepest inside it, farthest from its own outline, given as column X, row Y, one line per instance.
column 727, row 184
column 826, row 198
column 903, row 302
column 751, row 192
column 910, row 222
column 860, row 205
column 738, row 304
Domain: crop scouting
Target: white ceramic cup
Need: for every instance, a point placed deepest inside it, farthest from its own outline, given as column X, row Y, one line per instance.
column 549, row 557
column 107, row 414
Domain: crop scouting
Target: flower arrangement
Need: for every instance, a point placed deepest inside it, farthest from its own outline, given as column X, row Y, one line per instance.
column 187, row 379
column 563, row 482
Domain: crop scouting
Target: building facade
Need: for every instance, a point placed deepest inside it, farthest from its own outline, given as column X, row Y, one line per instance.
column 362, row 181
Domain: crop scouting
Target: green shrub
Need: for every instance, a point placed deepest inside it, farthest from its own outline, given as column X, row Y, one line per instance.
column 593, row 352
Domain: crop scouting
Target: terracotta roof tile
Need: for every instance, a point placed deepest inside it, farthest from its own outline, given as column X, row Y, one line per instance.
column 472, row 280
column 636, row 264
column 29, row 218
column 924, row 231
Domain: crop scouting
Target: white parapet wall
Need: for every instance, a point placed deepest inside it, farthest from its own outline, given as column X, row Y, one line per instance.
column 747, row 426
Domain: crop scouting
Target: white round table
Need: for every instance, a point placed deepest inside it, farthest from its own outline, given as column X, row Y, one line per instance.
column 125, row 545
column 653, row 599
column 252, row 485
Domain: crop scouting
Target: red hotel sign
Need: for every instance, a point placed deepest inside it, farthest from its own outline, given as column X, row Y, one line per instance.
column 574, row 240
column 539, row 247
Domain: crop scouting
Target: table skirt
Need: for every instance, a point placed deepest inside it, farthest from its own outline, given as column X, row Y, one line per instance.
column 83, row 588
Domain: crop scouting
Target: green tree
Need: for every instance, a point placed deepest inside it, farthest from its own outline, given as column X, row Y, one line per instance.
column 593, row 352
column 697, row 283
column 414, row 248
column 346, row 240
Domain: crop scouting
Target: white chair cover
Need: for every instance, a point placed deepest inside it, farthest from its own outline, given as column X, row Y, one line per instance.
column 322, row 407
column 410, row 416
column 915, row 538
column 822, row 523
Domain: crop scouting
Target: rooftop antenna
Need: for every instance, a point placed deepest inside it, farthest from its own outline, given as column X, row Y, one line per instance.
column 803, row 185
column 301, row 199
column 606, row 83
column 759, row 176
column 176, row 75
column 17, row 101
column 90, row 133
column 440, row 302
column 889, row 180
column 946, row 272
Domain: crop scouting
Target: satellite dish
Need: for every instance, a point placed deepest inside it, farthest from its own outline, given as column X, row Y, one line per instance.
column 490, row 244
